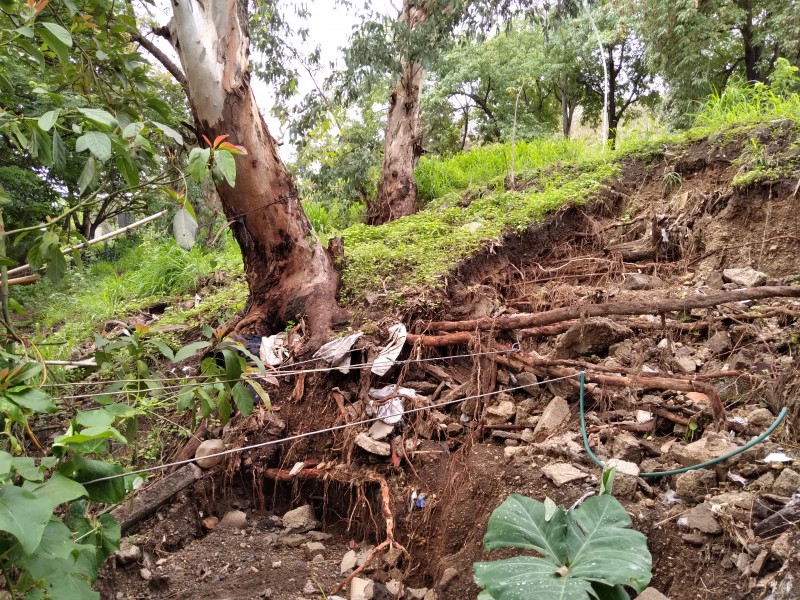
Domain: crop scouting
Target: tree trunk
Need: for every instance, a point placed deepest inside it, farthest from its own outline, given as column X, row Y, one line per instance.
column 397, row 192
column 567, row 107
column 752, row 51
column 290, row 275
column 613, row 118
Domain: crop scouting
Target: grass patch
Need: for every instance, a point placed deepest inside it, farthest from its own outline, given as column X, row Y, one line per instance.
column 146, row 273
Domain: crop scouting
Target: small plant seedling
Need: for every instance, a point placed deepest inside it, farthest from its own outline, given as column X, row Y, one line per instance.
column 586, row 552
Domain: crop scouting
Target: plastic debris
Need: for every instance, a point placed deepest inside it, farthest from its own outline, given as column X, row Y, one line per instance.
column 273, row 350
column 736, row 478
column 671, row 497
column 390, row 411
column 390, row 352
column 298, row 466
column 777, row 457
column 337, row 352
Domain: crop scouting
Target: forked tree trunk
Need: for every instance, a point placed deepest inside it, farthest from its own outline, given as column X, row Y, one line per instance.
column 289, row 274
column 397, row 192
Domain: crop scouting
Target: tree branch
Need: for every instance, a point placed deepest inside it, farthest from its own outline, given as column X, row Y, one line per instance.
column 165, row 60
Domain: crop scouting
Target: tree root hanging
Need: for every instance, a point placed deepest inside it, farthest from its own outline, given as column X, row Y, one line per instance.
column 386, row 509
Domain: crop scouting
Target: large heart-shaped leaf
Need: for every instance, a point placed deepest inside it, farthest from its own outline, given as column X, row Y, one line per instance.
column 587, row 552
column 519, row 522
column 184, row 228
column 602, row 549
column 24, row 516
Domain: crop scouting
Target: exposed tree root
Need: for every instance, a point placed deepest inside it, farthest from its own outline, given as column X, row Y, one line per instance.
column 655, row 307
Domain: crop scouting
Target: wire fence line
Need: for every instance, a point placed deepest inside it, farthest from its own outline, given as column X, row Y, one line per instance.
column 298, row 436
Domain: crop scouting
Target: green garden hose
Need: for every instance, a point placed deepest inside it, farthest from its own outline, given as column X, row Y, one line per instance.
column 709, row 463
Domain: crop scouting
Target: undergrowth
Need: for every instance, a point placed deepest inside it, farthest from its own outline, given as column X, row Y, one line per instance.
column 152, row 271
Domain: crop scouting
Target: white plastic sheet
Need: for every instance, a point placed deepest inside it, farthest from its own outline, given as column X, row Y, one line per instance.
column 390, row 412
column 337, row 352
column 273, row 350
column 389, row 354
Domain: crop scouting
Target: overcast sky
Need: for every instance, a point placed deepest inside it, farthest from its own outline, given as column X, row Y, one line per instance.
column 329, row 25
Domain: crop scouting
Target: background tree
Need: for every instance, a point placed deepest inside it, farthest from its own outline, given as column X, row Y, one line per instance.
column 696, row 47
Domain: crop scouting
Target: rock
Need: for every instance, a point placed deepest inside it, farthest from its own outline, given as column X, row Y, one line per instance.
column 684, row 364
column 784, row 548
column 694, row 485
column 416, row 593
column 431, row 595
column 392, row 556
column 765, row 482
column 380, row 430
column 524, row 415
column 362, row 555
column 625, row 446
column 233, row 519
column 348, row 562
column 314, row 549
column 531, row 383
column 739, row 505
column 626, row 478
column 512, row 451
column 293, row 540
column 565, row 445
column 361, row 589
column 454, row 429
column 706, row 448
column 210, row 522
column 787, row 483
column 760, row 417
column 365, row 442
column 500, row 413
column 301, row 519
column 694, row 539
column 758, row 564
column 590, row 337
column 719, row 343
column 640, row 281
column 320, row 536
column 651, row 593
column 310, row 588
column 128, row 553
column 643, row 416
column 703, row 520
column 698, row 398
column 623, row 351
column 556, row 412
column 205, row 449
column 745, row 277
column 395, row 587
column 145, row 573
column 447, row 578
column 561, row 473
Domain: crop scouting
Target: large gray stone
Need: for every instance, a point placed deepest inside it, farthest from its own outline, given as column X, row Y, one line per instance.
column 372, row 446
column 651, row 593
column 361, row 589
column 719, row 343
column 348, row 562
column 561, row 473
column 233, row 519
column 301, row 519
column 625, row 446
column 787, row 483
column 590, row 337
column 209, row 447
column 703, row 520
column 640, row 281
column 706, row 448
column 626, row 478
column 556, row 412
column 745, row 276
column 500, row 413
column 694, row 485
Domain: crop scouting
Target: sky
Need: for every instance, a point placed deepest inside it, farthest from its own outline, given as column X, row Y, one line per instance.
column 329, row 25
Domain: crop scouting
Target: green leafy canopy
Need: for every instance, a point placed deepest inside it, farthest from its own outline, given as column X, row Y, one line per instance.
column 588, row 552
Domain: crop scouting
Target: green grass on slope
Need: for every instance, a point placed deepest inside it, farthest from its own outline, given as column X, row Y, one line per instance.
column 146, row 273
column 416, row 251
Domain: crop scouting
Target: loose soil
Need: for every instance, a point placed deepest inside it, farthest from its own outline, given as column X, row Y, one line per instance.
column 465, row 469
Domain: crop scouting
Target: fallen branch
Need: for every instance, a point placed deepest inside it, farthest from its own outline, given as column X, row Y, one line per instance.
column 656, row 307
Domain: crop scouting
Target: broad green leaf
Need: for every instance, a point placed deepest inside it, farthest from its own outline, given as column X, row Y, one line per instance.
column 23, row 515
column 527, row 577
column 226, row 164
column 56, row 264
column 57, row 490
column 87, row 175
column 31, row 50
column 99, row 116
column 94, row 418
column 26, row 31
column 189, row 350
column 59, row 48
column 184, row 228
column 519, row 522
column 605, row 592
column 97, row 142
column 233, row 365
column 59, row 32
column 262, row 393
column 128, row 169
column 169, row 132
column 85, row 470
column 198, row 163
column 59, row 152
column 48, row 119
column 607, row 481
column 27, row 468
column 243, row 399
column 132, row 130
column 224, row 407
column 165, row 350
column 35, row 400
column 602, row 549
